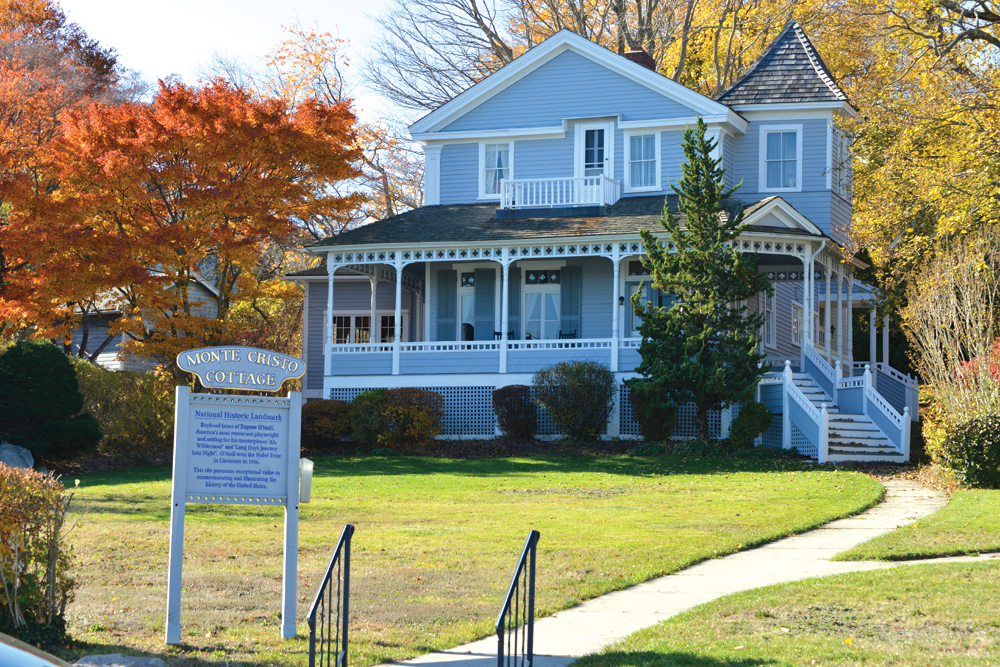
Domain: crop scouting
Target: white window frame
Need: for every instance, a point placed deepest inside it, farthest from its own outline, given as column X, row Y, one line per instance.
column 472, row 267
column 657, row 152
column 770, row 328
column 580, row 138
column 762, row 157
column 481, row 177
column 538, row 288
column 404, row 331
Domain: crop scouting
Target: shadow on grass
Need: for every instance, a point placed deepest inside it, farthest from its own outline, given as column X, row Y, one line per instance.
column 181, row 655
column 669, row 659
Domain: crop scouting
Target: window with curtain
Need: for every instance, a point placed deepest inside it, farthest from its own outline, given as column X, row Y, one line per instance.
column 642, row 161
column 542, row 304
column 496, row 167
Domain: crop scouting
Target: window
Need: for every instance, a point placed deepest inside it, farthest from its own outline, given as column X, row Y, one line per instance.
column 781, row 158
column 594, row 149
column 642, row 156
column 387, row 328
column 593, row 153
column 352, row 329
column 767, row 306
column 639, row 279
column 467, row 304
column 542, row 303
column 495, row 166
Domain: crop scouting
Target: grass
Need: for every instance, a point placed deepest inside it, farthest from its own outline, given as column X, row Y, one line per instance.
column 966, row 525
column 435, row 543
column 912, row 615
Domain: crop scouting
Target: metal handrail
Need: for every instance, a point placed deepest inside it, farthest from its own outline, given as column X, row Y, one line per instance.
column 520, row 594
column 332, row 626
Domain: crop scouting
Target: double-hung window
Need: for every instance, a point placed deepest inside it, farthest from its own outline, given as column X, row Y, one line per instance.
column 767, row 306
column 781, row 158
column 639, row 280
column 642, row 156
column 494, row 166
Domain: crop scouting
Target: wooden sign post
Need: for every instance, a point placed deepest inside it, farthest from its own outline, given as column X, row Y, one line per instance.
column 236, row 450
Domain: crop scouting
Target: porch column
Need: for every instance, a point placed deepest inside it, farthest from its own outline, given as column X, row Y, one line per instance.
column 885, row 339
column 840, row 320
column 827, row 342
column 872, row 351
column 331, row 322
column 504, row 308
column 615, row 326
column 372, row 328
column 807, row 301
column 850, row 320
column 397, row 323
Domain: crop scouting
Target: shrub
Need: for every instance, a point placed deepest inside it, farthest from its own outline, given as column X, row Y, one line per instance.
column 134, row 410
column 647, row 449
column 580, row 396
column 972, row 451
column 516, row 412
column 753, row 420
column 655, row 418
column 396, row 417
column 40, row 402
column 699, row 448
column 35, row 585
column 325, row 422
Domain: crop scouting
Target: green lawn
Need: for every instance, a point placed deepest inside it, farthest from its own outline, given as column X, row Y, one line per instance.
column 435, row 543
column 939, row 615
column 968, row 524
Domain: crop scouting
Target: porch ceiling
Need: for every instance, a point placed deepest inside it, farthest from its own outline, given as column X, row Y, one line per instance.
column 477, row 223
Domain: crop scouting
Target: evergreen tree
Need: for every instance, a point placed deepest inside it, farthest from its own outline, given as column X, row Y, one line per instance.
column 703, row 348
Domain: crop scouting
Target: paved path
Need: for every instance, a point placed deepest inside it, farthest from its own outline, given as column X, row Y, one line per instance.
column 589, row 627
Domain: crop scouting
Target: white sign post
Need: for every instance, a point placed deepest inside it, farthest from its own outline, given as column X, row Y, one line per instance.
column 236, row 450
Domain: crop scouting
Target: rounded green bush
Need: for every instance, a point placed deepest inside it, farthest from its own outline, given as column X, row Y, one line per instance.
column 656, row 418
column 396, row 417
column 753, row 420
column 580, row 396
column 40, row 402
column 972, row 451
column 516, row 412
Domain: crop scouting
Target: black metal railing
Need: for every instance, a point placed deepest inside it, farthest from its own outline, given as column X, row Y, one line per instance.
column 516, row 623
column 329, row 612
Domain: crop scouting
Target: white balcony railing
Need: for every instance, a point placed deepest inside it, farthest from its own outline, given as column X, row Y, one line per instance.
column 554, row 192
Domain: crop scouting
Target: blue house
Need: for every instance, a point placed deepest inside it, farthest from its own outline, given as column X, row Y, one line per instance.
column 538, row 180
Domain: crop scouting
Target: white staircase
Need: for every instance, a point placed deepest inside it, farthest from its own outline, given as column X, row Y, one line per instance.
column 851, row 437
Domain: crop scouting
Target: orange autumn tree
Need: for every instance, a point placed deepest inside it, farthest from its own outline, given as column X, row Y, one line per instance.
column 47, row 67
column 163, row 211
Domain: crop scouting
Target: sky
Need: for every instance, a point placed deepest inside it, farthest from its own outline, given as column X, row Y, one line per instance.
column 178, row 36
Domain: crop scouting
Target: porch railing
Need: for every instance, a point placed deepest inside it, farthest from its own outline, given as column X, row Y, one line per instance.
column 555, row 192
column 894, row 426
column 559, row 344
column 515, row 626
column 901, row 390
column 825, row 376
column 329, row 612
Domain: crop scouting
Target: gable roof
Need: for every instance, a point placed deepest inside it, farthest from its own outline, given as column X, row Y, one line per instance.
column 789, row 71
column 563, row 41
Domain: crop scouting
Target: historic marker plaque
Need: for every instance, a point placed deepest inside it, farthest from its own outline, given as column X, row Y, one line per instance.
column 240, row 450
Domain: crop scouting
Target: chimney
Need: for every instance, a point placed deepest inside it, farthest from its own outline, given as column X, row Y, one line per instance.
column 639, row 56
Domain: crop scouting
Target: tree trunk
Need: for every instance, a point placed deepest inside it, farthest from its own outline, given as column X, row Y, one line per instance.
column 701, row 423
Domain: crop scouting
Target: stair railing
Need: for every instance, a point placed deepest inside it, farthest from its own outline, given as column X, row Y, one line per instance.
column 894, row 426
column 801, row 413
column 516, row 621
column 329, row 612
column 825, row 376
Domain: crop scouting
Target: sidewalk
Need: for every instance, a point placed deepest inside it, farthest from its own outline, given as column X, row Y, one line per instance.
column 589, row 627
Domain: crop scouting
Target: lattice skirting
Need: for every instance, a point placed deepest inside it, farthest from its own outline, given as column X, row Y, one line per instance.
column 468, row 413
column 801, row 443
column 772, row 436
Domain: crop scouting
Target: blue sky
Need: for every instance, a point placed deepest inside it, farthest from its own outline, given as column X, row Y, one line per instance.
column 175, row 37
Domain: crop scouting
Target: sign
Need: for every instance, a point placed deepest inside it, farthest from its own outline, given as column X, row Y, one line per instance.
column 236, row 367
column 241, row 450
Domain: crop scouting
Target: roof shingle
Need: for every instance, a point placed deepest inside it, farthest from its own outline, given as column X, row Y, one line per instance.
column 788, row 71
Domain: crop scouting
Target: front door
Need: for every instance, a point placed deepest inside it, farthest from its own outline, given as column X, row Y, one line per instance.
column 594, row 151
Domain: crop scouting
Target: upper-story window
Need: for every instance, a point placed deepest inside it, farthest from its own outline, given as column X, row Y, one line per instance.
column 642, row 158
column 495, row 165
column 781, row 158
column 594, row 149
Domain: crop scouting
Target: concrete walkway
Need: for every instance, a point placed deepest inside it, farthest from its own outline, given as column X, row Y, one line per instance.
column 589, row 627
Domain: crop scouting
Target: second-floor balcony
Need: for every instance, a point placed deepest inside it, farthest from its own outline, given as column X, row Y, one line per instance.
column 559, row 192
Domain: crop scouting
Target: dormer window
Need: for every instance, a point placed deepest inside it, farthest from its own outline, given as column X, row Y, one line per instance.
column 781, row 158
column 494, row 166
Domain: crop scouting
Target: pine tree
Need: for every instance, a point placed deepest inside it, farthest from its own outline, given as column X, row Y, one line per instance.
column 704, row 347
